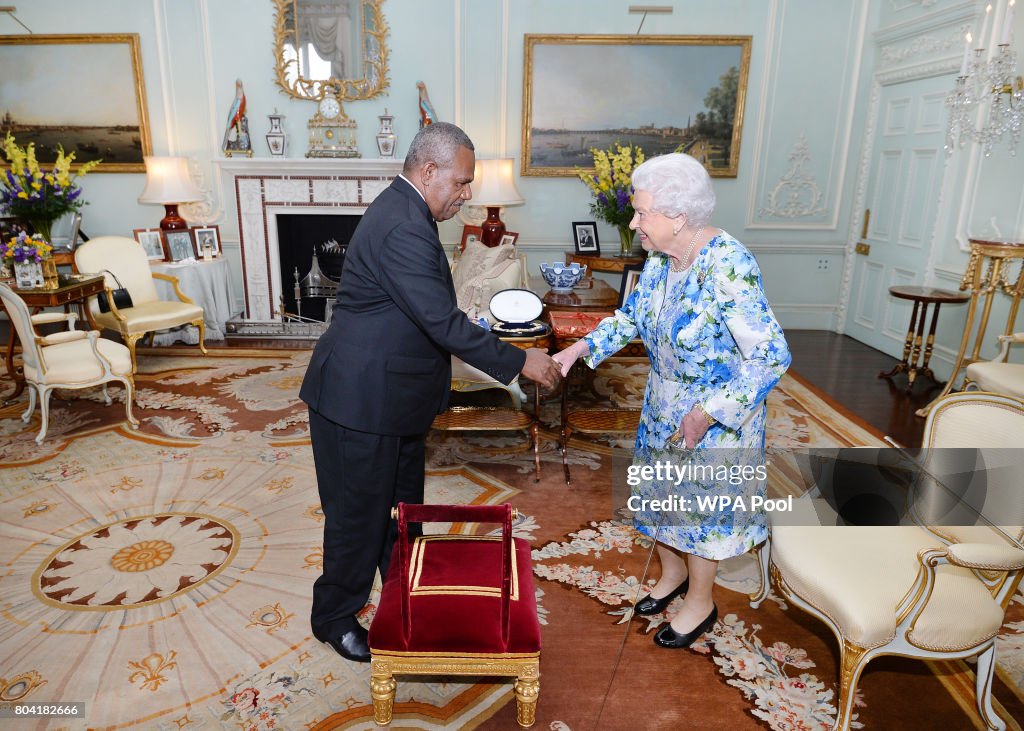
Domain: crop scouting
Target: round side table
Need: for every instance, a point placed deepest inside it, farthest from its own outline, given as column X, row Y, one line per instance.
column 912, row 346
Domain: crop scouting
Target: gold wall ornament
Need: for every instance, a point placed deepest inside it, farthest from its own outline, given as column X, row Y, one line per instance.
column 358, row 70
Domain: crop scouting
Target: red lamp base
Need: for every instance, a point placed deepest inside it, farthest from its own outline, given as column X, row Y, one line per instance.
column 493, row 227
column 172, row 221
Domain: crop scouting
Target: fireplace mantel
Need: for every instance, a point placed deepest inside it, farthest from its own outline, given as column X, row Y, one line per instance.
column 265, row 187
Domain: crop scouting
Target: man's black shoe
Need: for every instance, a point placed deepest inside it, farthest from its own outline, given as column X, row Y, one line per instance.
column 351, row 645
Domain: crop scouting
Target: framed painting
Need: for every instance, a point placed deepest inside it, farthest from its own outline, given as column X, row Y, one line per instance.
column 581, row 92
column 509, row 238
column 84, row 93
column 152, row 241
column 584, row 237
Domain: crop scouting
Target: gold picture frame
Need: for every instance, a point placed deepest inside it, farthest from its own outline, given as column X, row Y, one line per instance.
column 591, row 91
column 363, row 17
column 66, row 111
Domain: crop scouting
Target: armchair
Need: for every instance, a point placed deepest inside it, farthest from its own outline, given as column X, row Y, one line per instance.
column 127, row 260
column 71, row 359
column 918, row 590
column 998, row 375
column 457, row 605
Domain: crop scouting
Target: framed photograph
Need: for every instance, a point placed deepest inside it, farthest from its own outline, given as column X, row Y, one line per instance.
column 701, row 84
column 152, row 241
column 100, row 115
column 204, row 235
column 179, row 245
column 510, row 238
column 470, row 233
column 584, row 236
column 630, row 278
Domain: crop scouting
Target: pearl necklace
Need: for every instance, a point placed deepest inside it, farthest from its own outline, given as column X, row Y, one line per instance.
column 681, row 267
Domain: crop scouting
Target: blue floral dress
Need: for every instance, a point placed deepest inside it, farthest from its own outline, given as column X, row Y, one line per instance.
column 712, row 339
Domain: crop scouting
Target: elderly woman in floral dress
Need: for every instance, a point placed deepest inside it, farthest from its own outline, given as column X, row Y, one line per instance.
column 716, row 350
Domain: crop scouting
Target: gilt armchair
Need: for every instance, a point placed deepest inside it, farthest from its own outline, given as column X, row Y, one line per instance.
column 125, row 259
column 71, row 359
column 999, row 375
column 923, row 589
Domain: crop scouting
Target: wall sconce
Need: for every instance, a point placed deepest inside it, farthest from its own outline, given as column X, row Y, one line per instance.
column 495, row 187
column 168, row 183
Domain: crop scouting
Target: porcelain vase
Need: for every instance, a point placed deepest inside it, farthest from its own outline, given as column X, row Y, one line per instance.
column 277, row 140
column 386, row 139
column 28, row 274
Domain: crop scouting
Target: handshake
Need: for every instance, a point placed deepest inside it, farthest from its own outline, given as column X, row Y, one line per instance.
column 548, row 371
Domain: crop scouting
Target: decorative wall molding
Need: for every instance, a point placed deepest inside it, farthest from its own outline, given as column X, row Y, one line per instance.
column 832, row 196
column 797, row 193
column 925, row 46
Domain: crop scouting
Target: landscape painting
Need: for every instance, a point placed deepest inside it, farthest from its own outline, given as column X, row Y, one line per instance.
column 661, row 93
column 82, row 92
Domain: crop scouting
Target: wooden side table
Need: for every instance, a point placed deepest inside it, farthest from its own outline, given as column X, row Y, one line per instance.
column 599, row 420
column 912, row 346
column 74, row 290
column 988, row 272
column 497, row 418
column 598, row 297
column 604, row 263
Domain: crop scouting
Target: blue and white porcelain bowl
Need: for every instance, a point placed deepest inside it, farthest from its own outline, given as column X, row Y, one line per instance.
column 562, row 277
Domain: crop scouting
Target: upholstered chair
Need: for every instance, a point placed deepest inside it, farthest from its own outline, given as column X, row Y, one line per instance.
column 998, row 375
column 457, row 605
column 928, row 591
column 477, row 274
column 125, row 259
column 71, row 359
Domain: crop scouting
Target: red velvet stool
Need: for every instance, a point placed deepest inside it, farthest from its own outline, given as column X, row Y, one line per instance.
column 457, row 605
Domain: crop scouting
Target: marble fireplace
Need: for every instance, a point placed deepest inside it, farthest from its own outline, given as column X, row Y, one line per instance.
column 267, row 188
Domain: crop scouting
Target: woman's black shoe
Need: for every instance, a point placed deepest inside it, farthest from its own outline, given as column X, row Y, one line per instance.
column 649, row 605
column 668, row 637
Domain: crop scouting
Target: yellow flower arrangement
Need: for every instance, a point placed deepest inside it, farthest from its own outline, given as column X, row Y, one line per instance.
column 36, row 194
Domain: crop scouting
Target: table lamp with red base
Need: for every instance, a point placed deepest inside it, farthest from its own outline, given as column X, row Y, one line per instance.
column 168, row 183
column 494, row 187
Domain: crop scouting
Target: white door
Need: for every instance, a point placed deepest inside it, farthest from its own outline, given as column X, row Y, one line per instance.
column 905, row 177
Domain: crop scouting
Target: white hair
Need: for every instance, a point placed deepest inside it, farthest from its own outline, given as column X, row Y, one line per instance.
column 679, row 185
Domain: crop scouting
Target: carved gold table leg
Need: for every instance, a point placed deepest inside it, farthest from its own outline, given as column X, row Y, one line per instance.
column 527, row 691
column 986, row 274
column 382, row 690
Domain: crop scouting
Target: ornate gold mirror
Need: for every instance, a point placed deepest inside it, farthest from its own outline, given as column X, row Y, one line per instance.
column 324, row 46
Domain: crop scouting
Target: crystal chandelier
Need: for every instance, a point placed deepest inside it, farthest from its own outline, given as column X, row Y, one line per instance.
column 988, row 100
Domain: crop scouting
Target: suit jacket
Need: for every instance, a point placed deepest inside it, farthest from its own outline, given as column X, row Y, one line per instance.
column 384, row 364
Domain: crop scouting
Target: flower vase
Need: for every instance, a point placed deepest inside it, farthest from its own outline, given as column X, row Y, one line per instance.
column 28, row 274
column 625, row 241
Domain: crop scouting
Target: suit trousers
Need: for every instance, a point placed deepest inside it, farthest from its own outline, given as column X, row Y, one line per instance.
column 360, row 477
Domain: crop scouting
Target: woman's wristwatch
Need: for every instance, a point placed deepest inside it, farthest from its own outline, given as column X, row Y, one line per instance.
column 707, row 417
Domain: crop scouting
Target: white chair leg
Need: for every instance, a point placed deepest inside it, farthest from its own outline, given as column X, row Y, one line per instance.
column 129, row 397
column 983, row 689
column 44, row 408
column 106, row 396
column 31, row 403
column 762, row 554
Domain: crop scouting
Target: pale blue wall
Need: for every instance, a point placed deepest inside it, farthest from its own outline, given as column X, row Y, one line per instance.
column 811, row 74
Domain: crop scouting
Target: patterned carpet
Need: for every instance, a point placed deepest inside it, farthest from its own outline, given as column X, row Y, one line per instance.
column 163, row 576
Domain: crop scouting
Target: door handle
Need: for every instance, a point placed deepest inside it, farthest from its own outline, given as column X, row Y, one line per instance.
column 863, row 248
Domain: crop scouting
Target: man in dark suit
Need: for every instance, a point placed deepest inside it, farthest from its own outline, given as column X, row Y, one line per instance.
column 382, row 372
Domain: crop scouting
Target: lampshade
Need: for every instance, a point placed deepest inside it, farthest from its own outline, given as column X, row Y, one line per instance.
column 168, row 181
column 494, row 185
